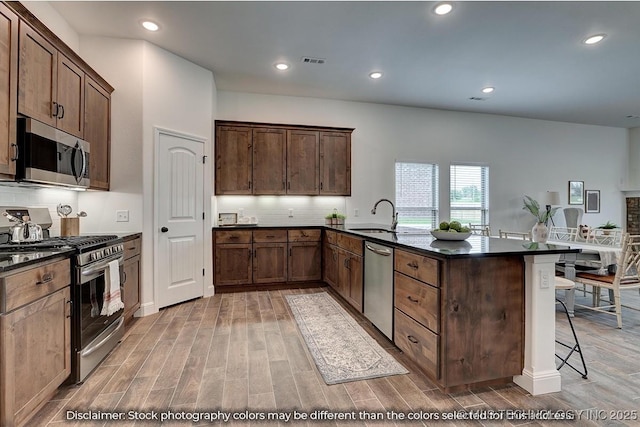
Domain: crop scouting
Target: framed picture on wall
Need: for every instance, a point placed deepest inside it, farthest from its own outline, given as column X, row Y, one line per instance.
column 592, row 201
column 576, row 192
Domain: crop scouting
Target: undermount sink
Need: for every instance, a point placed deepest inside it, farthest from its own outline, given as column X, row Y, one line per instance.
column 371, row 230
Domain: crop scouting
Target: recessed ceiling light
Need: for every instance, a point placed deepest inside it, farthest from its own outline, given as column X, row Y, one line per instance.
column 282, row 66
column 597, row 38
column 488, row 89
column 375, row 75
column 443, row 8
column 150, row 25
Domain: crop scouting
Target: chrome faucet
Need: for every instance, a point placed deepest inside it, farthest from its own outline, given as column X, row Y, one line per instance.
column 394, row 214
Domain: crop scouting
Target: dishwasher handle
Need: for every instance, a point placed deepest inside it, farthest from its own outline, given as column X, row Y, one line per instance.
column 383, row 252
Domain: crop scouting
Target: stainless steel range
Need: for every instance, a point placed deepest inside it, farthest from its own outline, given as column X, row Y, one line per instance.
column 93, row 335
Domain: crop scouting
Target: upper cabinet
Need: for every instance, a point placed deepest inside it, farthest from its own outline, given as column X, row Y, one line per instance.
column 97, row 132
column 51, row 86
column 42, row 78
column 8, row 89
column 278, row 159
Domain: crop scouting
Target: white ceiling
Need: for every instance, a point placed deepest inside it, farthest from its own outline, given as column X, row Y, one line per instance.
column 530, row 51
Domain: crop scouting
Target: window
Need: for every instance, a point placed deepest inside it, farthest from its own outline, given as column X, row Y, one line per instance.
column 417, row 194
column 469, row 194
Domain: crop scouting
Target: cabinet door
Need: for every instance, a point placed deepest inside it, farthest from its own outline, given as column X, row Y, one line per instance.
column 353, row 288
column 36, row 355
column 330, row 266
column 97, row 131
column 70, row 97
column 8, row 89
column 303, row 159
column 38, row 76
column 233, row 160
column 305, row 261
column 335, row 163
column 269, row 161
column 131, row 286
column 233, row 264
column 269, row 262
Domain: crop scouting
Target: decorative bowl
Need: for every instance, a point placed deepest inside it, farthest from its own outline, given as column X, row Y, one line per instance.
column 448, row 235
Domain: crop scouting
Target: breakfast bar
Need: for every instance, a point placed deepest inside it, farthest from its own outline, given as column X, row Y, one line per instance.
column 479, row 276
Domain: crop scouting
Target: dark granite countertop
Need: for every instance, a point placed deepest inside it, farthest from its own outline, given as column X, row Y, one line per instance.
column 12, row 260
column 421, row 240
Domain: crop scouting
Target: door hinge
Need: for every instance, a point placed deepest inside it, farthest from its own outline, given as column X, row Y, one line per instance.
column 202, row 215
column 204, row 159
column 203, row 271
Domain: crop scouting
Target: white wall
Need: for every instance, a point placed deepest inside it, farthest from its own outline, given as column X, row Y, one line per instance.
column 525, row 156
column 55, row 22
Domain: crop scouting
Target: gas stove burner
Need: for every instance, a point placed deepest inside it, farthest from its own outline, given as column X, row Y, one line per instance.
column 80, row 243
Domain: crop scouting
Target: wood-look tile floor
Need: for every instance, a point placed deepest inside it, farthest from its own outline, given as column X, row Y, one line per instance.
column 234, row 352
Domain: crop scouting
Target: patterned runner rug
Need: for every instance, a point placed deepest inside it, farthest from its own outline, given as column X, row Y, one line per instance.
column 342, row 350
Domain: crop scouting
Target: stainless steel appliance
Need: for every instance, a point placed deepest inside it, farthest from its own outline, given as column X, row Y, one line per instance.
column 49, row 156
column 93, row 335
column 378, row 287
column 23, row 229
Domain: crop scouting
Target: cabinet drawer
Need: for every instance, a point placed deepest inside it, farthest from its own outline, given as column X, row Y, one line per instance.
column 132, row 248
column 418, row 300
column 331, row 237
column 418, row 267
column 233, row 236
column 266, row 236
column 349, row 243
column 419, row 343
column 30, row 285
column 305, row 235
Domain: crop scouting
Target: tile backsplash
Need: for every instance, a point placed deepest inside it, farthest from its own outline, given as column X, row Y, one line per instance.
column 274, row 210
column 40, row 198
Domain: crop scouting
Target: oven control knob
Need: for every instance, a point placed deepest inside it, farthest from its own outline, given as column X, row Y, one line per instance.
column 107, row 251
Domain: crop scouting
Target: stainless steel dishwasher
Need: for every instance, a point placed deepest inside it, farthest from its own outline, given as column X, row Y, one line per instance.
column 378, row 286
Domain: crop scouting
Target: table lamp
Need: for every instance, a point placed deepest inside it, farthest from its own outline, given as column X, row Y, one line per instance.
column 549, row 199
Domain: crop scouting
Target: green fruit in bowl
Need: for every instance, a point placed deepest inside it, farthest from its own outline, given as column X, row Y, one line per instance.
column 465, row 229
column 444, row 225
column 453, row 230
column 455, row 225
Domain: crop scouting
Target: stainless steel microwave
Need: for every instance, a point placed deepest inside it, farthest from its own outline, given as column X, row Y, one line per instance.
column 47, row 155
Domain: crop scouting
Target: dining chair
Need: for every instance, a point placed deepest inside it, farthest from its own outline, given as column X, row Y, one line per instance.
column 563, row 234
column 514, row 235
column 480, row 229
column 626, row 276
column 599, row 236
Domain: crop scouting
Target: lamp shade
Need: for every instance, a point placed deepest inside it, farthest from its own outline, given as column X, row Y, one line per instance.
column 551, row 198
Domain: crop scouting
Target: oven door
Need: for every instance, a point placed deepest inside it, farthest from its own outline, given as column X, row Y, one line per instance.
column 92, row 283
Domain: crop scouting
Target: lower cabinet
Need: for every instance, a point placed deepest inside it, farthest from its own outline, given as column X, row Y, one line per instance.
column 131, row 295
column 266, row 256
column 35, row 339
column 461, row 329
column 343, row 266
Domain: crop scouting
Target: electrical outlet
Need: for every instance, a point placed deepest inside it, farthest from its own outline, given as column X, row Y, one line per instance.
column 122, row 216
column 356, row 212
column 544, row 280
column 241, row 213
column 290, row 212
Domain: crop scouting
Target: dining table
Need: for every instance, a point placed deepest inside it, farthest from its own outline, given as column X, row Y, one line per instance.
column 601, row 257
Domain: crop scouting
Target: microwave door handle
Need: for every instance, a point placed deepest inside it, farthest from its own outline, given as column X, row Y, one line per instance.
column 84, row 164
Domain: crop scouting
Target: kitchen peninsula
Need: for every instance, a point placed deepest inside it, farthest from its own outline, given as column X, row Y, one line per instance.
column 485, row 296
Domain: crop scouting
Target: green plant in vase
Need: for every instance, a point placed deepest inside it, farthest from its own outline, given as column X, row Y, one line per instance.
column 539, row 232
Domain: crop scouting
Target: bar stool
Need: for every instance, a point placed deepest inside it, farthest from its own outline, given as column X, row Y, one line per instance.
column 565, row 284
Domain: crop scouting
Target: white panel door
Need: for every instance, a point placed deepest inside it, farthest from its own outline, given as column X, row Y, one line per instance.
column 180, row 227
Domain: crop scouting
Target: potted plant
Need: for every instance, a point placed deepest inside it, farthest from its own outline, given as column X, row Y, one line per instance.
column 334, row 218
column 539, row 232
column 608, row 226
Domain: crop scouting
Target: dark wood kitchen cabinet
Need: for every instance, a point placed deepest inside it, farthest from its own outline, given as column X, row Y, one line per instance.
column 305, row 255
column 233, row 257
column 234, row 160
column 35, row 338
column 277, row 159
column 50, row 85
column 132, row 257
column 8, row 89
column 269, row 166
column 97, row 132
column 269, row 256
column 343, row 266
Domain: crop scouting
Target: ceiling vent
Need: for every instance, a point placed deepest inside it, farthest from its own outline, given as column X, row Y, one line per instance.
column 311, row 60
column 477, row 98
